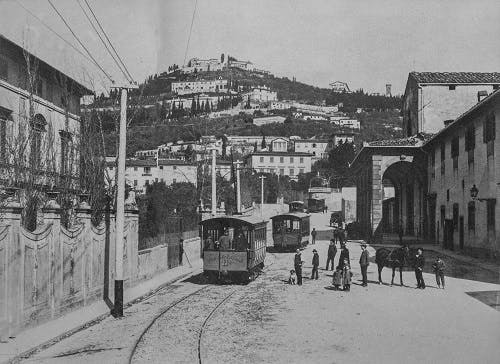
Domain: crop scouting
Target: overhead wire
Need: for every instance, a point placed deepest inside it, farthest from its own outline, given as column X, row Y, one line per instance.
column 109, row 41
column 103, row 42
column 79, row 41
column 53, row 31
column 190, row 31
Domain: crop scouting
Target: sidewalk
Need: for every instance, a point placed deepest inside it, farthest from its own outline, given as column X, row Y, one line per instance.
column 45, row 335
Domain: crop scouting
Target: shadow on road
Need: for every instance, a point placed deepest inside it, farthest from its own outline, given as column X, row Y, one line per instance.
column 490, row 298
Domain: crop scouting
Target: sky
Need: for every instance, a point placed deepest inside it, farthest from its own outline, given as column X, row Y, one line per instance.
column 366, row 43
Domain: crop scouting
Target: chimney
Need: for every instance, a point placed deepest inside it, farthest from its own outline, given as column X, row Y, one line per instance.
column 481, row 95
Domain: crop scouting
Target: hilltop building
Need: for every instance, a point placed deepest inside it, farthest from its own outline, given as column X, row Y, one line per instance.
column 194, row 87
column 269, row 120
column 346, row 122
column 433, row 98
column 261, row 94
column 340, row 87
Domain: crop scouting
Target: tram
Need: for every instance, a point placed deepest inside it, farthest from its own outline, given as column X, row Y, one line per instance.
column 234, row 247
column 291, row 231
column 315, row 205
column 296, row 206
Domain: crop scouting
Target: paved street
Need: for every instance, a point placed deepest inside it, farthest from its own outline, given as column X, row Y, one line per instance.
column 269, row 321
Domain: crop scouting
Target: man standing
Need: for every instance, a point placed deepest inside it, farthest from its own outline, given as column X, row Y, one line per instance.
column 363, row 263
column 315, row 264
column 298, row 267
column 181, row 250
column 419, row 267
column 313, row 235
column 344, row 255
column 225, row 241
column 332, row 251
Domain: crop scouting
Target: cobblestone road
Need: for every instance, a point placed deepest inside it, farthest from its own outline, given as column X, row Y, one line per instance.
column 269, row 321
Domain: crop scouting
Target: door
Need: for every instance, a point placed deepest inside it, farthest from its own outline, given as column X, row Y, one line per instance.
column 461, row 237
column 448, row 234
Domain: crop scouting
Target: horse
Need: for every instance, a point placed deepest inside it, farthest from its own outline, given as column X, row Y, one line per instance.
column 339, row 235
column 392, row 258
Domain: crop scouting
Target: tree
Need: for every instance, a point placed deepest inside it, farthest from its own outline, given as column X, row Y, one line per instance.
column 193, row 106
column 263, row 145
column 207, row 107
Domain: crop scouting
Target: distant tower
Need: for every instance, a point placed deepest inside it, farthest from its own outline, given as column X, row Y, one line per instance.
column 388, row 92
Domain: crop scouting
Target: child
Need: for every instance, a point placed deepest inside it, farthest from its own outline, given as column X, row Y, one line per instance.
column 337, row 278
column 439, row 268
column 291, row 279
column 346, row 276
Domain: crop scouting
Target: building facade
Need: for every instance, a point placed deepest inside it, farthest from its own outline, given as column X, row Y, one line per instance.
column 339, row 87
column 463, row 180
column 39, row 121
column 317, row 147
column 269, row 120
column 261, row 95
column 283, row 163
column 346, row 123
column 193, row 87
column 433, row 98
column 140, row 173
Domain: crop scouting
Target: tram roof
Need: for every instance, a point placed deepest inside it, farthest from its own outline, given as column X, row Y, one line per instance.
column 297, row 215
column 245, row 219
column 301, row 202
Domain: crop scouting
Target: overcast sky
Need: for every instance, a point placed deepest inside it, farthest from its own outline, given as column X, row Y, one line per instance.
column 365, row 43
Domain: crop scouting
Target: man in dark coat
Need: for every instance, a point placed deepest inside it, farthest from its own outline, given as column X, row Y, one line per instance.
column 419, row 267
column 298, row 266
column 344, row 254
column 181, row 250
column 315, row 264
column 313, row 235
column 332, row 251
column 363, row 263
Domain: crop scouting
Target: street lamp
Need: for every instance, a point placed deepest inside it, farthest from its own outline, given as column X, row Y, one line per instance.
column 474, row 192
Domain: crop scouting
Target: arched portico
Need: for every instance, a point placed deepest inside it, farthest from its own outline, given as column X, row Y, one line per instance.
column 391, row 190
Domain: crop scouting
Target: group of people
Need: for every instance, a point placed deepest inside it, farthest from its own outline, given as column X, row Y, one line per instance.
column 342, row 276
column 225, row 242
column 438, row 267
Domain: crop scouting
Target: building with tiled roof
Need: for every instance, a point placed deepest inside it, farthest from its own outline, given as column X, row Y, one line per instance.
column 432, row 99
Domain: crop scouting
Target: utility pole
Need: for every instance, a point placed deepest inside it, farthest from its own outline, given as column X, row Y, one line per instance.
column 238, row 189
column 120, row 204
column 262, row 178
column 214, row 182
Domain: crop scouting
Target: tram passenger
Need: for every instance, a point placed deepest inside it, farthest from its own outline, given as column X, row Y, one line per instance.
column 225, row 241
column 209, row 243
column 240, row 242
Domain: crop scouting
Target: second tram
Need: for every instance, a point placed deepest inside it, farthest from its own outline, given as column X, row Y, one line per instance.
column 291, row 231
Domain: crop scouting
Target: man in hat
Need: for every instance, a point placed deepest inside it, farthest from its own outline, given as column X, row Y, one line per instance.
column 315, row 264
column 332, row 251
column 419, row 268
column 298, row 266
column 363, row 263
column 313, row 235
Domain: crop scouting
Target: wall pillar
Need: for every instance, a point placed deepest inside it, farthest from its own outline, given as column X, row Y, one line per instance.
column 52, row 215
column 376, row 193
column 83, row 215
column 11, row 273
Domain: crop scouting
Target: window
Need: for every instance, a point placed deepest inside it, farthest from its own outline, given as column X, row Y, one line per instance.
column 489, row 134
column 147, row 182
column 3, row 140
column 147, row 170
column 161, row 167
column 433, row 164
column 156, row 180
column 490, row 214
column 135, row 169
column 111, row 168
column 282, row 171
column 282, row 160
column 174, row 180
column 261, row 159
column 292, row 172
column 4, row 69
column 174, row 167
column 135, row 182
column 301, row 170
column 443, row 154
column 291, row 159
column 37, row 128
column 271, row 159
column 471, row 216
column 455, row 151
column 451, row 87
column 301, row 159
column 65, row 145
column 470, row 138
column 455, row 216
